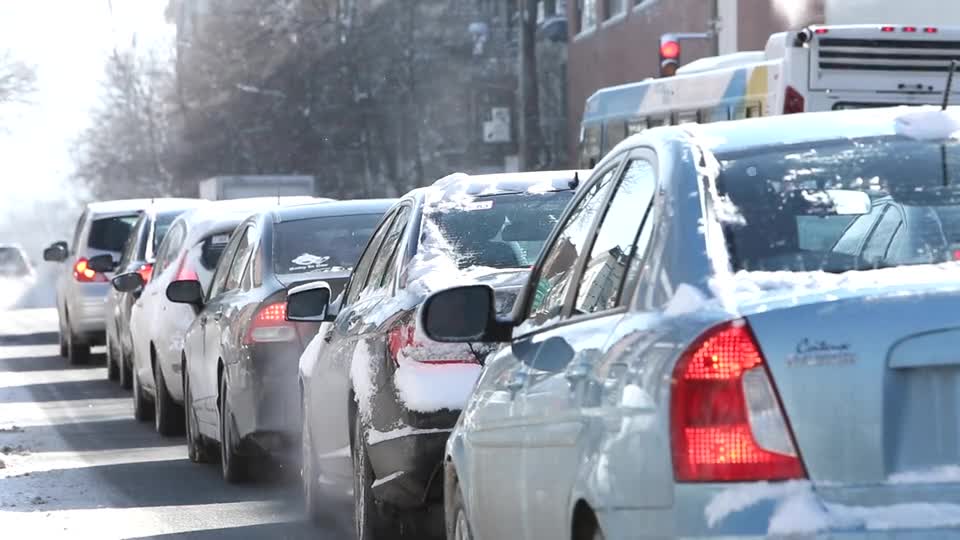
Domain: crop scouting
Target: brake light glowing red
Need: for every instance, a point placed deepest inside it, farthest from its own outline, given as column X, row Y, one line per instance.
column 910, row 29
column 185, row 272
column 887, row 29
column 711, row 435
column 930, row 30
column 670, row 50
column 402, row 341
column 270, row 325
column 145, row 271
column 84, row 274
column 956, row 254
column 793, row 101
column 821, row 31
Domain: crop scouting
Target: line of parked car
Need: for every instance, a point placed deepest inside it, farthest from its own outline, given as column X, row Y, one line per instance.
column 735, row 330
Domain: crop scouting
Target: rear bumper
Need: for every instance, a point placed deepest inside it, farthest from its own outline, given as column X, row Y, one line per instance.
column 408, row 462
column 777, row 510
column 265, row 402
column 87, row 309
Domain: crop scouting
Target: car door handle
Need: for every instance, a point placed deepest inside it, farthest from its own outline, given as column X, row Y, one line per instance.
column 517, row 382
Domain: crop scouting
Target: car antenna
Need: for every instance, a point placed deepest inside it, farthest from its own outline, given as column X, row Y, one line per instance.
column 946, row 92
column 576, row 180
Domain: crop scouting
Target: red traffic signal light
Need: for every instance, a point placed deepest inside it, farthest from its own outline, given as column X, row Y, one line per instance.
column 669, row 50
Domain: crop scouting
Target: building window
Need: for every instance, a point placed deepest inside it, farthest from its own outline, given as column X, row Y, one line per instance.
column 612, row 8
column 588, row 14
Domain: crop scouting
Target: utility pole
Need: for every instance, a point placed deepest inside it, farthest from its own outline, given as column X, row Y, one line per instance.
column 529, row 124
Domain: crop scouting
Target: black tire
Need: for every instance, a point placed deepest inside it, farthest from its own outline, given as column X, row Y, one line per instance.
column 458, row 525
column 77, row 353
column 234, row 467
column 142, row 407
column 63, row 341
column 371, row 517
column 197, row 448
column 167, row 415
column 113, row 367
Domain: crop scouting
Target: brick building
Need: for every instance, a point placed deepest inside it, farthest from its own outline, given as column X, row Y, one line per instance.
column 614, row 42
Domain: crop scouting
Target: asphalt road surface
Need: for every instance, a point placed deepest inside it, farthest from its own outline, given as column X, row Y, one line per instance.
column 74, row 464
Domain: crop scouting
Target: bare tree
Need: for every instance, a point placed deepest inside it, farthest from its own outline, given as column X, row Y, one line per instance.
column 17, row 80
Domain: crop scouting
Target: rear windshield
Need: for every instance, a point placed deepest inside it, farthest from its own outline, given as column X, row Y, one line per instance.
column 324, row 244
column 506, row 230
column 162, row 225
column 110, row 234
column 850, row 204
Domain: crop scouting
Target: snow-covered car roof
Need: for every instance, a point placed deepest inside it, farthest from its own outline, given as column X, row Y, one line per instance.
column 458, row 185
column 137, row 205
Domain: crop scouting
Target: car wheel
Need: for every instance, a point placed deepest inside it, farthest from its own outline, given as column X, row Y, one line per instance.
column 113, row 368
column 233, row 465
column 371, row 517
column 142, row 408
column 196, row 445
column 459, row 525
column 167, row 415
column 63, row 341
column 77, row 353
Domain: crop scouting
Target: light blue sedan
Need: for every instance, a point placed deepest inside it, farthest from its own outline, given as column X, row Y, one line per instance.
column 744, row 330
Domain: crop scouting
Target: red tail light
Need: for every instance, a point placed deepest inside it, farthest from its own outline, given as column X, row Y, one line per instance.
column 821, row 31
column 402, row 341
column 270, row 325
column 145, row 271
column 726, row 423
column 887, row 29
column 84, row 274
column 930, row 30
column 185, row 272
column 910, row 29
column 793, row 101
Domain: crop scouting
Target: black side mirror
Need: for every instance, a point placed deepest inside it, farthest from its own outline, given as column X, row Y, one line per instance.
column 309, row 303
column 463, row 314
column 128, row 283
column 185, row 291
column 102, row 263
column 57, row 252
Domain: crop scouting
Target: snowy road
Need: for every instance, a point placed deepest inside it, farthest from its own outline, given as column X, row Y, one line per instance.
column 74, row 464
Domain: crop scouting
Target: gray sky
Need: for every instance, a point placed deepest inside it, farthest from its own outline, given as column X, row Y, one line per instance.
column 67, row 41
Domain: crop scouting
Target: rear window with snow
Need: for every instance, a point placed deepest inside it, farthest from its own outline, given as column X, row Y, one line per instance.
column 110, row 234
column 839, row 205
column 323, row 244
column 506, row 230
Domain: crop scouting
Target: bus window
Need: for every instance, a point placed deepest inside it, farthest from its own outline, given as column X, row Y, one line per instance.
column 636, row 126
column 656, row 122
column 687, row 117
column 739, row 111
column 590, row 146
column 613, row 133
column 754, row 111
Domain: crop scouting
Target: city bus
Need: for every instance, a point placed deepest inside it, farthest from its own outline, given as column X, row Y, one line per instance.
column 818, row 68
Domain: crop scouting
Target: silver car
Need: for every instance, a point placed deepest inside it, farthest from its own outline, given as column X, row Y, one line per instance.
column 103, row 228
column 742, row 330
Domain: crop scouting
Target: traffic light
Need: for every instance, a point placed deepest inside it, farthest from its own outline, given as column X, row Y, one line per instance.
column 669, row 55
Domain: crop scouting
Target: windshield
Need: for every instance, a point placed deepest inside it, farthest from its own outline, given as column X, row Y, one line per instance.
column 323, row 244
column 795, row 213
column 500, row 231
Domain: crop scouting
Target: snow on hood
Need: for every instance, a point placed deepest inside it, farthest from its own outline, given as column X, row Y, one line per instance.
column 798, row 510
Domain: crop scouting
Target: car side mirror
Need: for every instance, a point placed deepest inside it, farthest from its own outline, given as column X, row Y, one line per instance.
column 185, row 291
column 463, row 314
column 57, row 252
column 309, row 303
column 102, row 263
column 128, row 283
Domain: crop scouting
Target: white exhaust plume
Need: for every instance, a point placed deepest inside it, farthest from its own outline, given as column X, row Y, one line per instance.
column 794, row 12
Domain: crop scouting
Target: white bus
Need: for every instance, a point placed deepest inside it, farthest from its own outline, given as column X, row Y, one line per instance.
column 818, row 68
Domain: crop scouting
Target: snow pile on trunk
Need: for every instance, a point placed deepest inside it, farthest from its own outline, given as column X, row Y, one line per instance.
column 798, row 510
column 428, row 388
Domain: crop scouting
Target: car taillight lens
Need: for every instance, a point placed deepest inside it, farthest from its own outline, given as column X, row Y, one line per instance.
column 403, row 344
column 793, row 101
column 726, row 423
column 145, row 271
column 185, row 272
column 270, row 325
column 84, row 274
